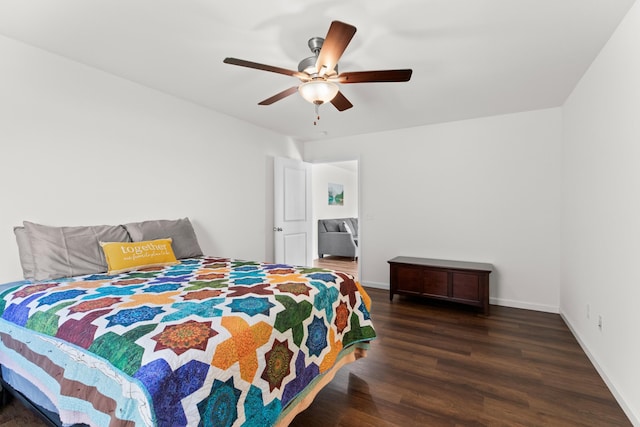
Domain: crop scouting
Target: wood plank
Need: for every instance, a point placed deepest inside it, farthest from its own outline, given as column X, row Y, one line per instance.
column 345, row 264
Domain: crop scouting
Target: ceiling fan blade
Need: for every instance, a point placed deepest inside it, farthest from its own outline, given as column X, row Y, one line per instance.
column 263, row 67
column 336, row 41
column 375, row 76
column 341, row 102
column 279, row 96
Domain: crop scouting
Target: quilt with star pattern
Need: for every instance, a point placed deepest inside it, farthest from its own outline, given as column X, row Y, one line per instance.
column 209, row 341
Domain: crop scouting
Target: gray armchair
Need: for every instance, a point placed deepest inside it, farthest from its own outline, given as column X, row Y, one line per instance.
column 338, row 236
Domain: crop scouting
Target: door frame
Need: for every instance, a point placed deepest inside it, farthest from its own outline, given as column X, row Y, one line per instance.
column 329, row 160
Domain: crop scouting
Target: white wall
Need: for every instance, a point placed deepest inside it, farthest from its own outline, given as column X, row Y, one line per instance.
column 79, row 147
column 322, row 175
column 601, row 221
column 484, row 190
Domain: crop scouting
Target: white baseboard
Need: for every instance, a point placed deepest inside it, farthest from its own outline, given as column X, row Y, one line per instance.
column 525, row 305
column 635, row 420
column 376, row 285
column 495, row 301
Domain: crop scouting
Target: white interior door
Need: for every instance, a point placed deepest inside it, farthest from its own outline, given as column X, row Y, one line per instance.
column 292, row 216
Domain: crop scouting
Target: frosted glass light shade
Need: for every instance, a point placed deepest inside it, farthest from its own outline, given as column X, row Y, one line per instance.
column 318, row 91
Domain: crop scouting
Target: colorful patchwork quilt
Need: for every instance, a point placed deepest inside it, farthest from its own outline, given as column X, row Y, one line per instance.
column 210, row 341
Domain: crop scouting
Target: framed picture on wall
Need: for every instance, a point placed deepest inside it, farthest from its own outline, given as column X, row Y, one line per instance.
column 336, row 194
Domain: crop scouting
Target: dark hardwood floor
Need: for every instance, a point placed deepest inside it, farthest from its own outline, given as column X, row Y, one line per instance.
column 447, row 365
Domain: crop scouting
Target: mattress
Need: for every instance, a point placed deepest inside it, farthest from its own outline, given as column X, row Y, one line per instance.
column 209, row 341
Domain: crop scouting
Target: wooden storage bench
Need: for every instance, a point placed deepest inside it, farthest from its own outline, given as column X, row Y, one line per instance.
column 457, row 281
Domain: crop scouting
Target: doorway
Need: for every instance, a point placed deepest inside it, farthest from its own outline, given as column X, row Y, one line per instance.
column 331, row 179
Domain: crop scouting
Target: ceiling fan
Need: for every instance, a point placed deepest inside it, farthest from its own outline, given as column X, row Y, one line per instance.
column 319, row 73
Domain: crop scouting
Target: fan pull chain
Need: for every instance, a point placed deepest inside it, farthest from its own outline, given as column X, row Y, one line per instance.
column 315, row 122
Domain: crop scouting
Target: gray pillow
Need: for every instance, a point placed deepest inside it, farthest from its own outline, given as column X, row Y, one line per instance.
column 344, row 227
column 70, row 251
column 24, row 252
column 353, row 223
column 333, row 224
column 185, row 243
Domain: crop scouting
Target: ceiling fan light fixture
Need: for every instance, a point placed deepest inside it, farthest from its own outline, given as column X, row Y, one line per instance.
column 318, row 91
column 319, row 73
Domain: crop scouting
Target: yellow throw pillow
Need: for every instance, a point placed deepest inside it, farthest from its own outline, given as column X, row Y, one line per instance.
column 127, row 256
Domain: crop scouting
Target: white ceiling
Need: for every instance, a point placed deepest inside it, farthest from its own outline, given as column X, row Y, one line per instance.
column 470, row 58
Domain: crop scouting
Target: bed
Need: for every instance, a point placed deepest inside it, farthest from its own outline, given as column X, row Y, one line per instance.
column 203, row 340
